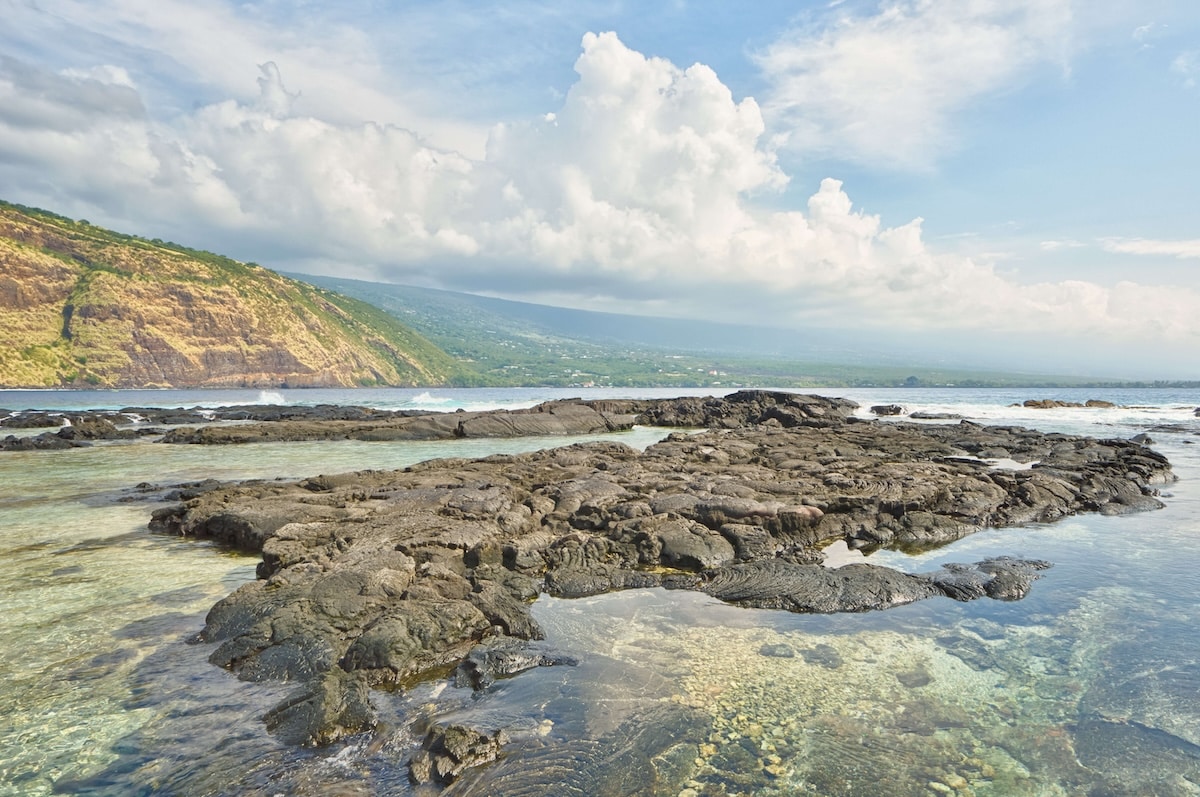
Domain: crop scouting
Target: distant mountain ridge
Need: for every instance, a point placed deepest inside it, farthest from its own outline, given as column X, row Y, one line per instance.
column 438, row 314
column 82, row 306
column 511, row 343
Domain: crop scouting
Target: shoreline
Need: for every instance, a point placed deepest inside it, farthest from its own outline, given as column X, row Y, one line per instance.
column 450, row 552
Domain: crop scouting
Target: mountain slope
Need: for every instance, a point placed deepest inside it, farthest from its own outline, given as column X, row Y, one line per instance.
column 514, row 343
column 83, row 306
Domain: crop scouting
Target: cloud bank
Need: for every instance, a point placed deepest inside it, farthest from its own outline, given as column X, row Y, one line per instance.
column 1144, row 246
column 883, row 89
column 650, row 187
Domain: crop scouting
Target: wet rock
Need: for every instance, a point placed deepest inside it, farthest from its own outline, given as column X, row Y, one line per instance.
column 691, row 546
column 887, row 409
column 75, row 431
column 325, row 709
column 1002, row 578
column 501, row 657
column 921, row 415
column 397, row 575
column 775, row 584
column 450, row 750
column 552, row 418
column 743, row 408
column 93, row 427
column 1049, row 404
column 46, row 441
column 33, row 419
column 172, row 417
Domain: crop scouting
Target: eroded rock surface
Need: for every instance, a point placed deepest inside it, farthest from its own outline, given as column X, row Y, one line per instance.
column 551, row 418
column 394, row 576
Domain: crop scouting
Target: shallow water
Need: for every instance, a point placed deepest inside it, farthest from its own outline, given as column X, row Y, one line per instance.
column 1086, row 686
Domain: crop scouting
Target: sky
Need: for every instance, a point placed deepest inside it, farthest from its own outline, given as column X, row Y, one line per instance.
column 1013, row 182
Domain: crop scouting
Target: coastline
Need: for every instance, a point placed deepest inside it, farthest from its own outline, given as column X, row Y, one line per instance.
column 195, row 763
column 358, row 562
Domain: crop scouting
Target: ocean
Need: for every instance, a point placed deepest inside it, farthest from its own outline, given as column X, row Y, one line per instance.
column 1087, row 686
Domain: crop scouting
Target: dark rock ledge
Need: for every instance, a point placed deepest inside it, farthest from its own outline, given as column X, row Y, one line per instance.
column 380, row 579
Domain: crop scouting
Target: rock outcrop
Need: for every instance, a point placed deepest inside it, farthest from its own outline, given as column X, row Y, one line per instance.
column 551, row 418
column 383, row 578
column 74, row 430
column 1050, row 404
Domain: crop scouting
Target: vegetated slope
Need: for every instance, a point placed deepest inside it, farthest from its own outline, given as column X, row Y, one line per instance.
column 446, row 315
column 81, row 306
column 515, row 343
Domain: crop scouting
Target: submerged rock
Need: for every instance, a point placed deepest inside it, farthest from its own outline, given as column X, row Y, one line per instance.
column 659, row 744
column 390, row 577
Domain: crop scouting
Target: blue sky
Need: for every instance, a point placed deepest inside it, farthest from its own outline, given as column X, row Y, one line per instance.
column 1012, row 177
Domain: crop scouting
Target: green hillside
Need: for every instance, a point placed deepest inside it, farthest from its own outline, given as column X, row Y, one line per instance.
column 82, row 306
column 517, row 343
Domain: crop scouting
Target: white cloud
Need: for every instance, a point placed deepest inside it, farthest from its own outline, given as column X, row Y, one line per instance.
column 645, row 186
column 1187, row 66
column 273, row 97
column 1145, row 246
column 882, row 89
column 1144, row 34
column 338, row 67
column 71, row 100
column 1058, row 246
column 643, row 158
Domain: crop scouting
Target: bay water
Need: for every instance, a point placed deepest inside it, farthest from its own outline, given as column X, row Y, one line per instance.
column 1088, row 686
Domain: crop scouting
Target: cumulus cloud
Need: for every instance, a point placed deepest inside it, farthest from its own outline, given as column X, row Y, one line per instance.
column 67, row 101
column 643, row 158
column 650, row 183
column 882, row 88
column 273, row 97
column 1145, row 246
column 206, row 50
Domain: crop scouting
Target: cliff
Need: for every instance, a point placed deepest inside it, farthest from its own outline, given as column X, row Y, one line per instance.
column 81, row 306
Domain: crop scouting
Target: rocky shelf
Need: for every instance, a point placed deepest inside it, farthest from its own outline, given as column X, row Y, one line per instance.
column 382, row 579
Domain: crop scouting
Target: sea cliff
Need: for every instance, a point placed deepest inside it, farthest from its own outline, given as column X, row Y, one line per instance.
column 81, row 306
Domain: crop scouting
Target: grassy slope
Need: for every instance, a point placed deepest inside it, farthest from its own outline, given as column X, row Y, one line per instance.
column 81, row 305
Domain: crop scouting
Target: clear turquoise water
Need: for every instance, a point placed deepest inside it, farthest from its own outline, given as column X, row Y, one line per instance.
column 101, row 694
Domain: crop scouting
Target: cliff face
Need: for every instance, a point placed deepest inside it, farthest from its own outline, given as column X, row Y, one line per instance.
column 81, row 306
